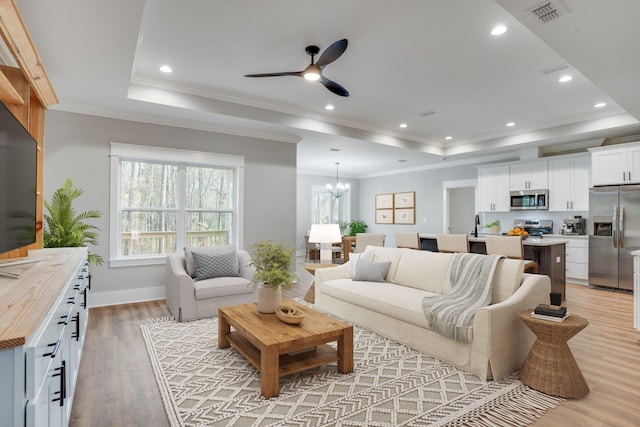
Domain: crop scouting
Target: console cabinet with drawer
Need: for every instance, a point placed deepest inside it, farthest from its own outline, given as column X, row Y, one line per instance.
column 43, row 320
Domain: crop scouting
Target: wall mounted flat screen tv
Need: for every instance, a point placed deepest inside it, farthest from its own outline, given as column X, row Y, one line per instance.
column 18, row 175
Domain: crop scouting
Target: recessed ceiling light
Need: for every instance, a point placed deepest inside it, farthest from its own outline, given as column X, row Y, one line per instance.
column 165, row 69
column 565, row 78
column 329, row 107
column 498, row 30
column 403, row 125
column 448, row 137
column 600, row 104
column 510, row 124
column 335, row 149
column 402, row 161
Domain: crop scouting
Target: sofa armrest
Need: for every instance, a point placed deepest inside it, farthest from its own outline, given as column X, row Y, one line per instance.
column 180, row 294
column 326, row 274
column 244, row 262
column 499, row 335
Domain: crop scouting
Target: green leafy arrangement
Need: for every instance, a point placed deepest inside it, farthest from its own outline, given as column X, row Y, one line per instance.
column 273, row 264
column 357, row 226
column 65, row 229
column 495, row 223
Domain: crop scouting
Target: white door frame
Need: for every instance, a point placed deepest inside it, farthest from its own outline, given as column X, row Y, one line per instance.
column 446, row 185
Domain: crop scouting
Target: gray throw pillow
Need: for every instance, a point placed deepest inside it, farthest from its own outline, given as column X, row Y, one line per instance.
column 209, row 265
column 371, row 271
column 188, row 256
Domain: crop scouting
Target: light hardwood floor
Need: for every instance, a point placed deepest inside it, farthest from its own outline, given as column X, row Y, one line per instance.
column 116, row 386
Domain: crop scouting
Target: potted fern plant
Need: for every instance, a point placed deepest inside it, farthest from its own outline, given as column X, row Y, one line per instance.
column 64, row 228
column 273, row 272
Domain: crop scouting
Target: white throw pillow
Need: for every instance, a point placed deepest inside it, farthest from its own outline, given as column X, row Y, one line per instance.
column 353, row 262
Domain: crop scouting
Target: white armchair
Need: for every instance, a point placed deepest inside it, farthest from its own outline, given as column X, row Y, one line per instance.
column 189, row 299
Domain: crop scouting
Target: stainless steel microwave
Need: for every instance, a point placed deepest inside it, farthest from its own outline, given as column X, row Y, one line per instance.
column 529, row 199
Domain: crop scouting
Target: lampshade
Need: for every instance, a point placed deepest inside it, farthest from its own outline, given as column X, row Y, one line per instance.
column 325, row 233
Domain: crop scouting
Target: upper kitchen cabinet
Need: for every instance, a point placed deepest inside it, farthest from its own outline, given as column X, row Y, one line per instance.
column 569, row 184
column 529, row 176
column 493, row 189
column 618, row 164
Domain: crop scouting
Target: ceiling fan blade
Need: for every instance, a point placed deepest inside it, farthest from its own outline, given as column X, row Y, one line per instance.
column 332, row 53
column 286, row 73
column 334, row 87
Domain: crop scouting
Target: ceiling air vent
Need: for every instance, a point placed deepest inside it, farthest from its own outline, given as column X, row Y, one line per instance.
column 548, row 11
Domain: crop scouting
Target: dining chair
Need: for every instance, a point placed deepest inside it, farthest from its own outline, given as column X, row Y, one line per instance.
column 452, row 243
column 312, row 252
column 368, row 239
column 407, row 240
column 511, row 247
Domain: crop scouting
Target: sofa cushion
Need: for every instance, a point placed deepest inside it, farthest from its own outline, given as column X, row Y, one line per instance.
column 404, row 303
column 382, row 254
column 353, row 262
column 188, row 256
column 208, row 265
column 371, row 271
column 507, row 279
column 221, row 287
column 423, row 270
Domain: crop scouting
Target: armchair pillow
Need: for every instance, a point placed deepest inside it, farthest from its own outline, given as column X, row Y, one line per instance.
column 188, row 255
column 209, row 265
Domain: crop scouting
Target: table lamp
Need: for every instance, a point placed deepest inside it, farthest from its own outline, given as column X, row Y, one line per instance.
column 325, row 234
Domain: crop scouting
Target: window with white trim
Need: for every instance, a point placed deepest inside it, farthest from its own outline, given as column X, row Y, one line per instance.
column 328, row 209
column 165, row 199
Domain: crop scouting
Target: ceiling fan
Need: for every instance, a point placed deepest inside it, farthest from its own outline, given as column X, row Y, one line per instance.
column 314, row 71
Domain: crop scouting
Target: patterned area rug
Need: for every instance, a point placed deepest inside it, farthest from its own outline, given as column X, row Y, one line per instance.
column 391, row 385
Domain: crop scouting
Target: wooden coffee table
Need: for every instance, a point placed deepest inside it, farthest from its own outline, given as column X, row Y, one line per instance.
column 276, row 348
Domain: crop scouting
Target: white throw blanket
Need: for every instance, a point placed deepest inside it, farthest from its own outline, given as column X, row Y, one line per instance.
column 470, row 278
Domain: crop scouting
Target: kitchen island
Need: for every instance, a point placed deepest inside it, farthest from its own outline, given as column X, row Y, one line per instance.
column 548, row 252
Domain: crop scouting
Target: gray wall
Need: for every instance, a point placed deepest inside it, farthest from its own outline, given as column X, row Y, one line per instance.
column 77, row 147
column 428, row 187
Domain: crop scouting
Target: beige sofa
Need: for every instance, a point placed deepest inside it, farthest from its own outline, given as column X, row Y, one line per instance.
column 188, row 299
column 500, row 340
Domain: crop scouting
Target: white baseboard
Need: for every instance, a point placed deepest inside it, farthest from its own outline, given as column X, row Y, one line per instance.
column 100, row 299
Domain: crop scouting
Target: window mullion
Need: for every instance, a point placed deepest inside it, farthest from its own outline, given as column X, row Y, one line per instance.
column 181, row 218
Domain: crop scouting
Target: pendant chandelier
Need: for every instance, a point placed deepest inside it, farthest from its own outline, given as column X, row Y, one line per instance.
column 340, row 187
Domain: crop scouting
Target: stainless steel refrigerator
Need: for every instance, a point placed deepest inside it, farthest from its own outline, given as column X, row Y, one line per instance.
column 614, row 232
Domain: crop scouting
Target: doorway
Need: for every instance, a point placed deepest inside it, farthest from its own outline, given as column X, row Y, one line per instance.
column 459, row 203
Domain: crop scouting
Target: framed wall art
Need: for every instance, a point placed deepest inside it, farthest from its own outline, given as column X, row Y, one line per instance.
column 404, row 200
column 404, row 216
column 384, row 201
column 384, row 216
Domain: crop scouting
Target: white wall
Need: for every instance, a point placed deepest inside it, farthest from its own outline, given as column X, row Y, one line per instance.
column 77, row 147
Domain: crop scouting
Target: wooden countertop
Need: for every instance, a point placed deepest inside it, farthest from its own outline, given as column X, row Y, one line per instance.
column 25, row 301
column 531, row 241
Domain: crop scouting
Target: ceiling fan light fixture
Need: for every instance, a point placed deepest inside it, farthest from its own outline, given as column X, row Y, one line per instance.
column 312, row 73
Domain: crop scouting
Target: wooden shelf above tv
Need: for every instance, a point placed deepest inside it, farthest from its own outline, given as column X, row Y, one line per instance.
column 27, row 92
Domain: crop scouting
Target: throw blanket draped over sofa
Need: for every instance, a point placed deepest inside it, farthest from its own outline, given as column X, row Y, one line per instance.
column 498, row 341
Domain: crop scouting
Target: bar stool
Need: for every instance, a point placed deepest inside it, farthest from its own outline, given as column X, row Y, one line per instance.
column 407, row 240
column 511, row 247
column 452, row 243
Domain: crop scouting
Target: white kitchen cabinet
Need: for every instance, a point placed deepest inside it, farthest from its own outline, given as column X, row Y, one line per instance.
column 577, row 259
column 619, row 164
column 493, row 189
column 569, row 184
column 529, row 175
column 40, row 355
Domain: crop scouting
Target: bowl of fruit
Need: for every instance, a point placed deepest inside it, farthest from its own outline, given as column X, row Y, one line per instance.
column 517, row 231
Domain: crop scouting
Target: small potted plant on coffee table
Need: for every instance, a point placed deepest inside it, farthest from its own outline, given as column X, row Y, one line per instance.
column 272, row 262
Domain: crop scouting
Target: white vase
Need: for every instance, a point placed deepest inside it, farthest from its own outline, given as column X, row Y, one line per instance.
column 268, row 298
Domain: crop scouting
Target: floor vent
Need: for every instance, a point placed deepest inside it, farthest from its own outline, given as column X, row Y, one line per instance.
column 548, row 11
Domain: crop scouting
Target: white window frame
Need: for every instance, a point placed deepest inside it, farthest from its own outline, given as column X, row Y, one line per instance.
column 119, row 151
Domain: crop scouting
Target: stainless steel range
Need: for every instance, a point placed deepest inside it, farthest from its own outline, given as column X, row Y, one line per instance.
column 535, row 227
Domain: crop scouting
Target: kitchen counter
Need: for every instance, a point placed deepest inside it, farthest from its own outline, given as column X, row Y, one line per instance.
column 531, row 241
column 548, row 252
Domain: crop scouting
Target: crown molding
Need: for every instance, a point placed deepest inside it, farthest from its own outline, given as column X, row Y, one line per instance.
column 133, row 116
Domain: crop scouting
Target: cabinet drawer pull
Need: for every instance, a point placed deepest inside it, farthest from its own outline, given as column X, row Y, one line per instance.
column 62, row 394
column 56, row 347
column 65, row 320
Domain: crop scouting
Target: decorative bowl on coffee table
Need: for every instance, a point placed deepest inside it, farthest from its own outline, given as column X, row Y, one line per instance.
column 289, row 314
